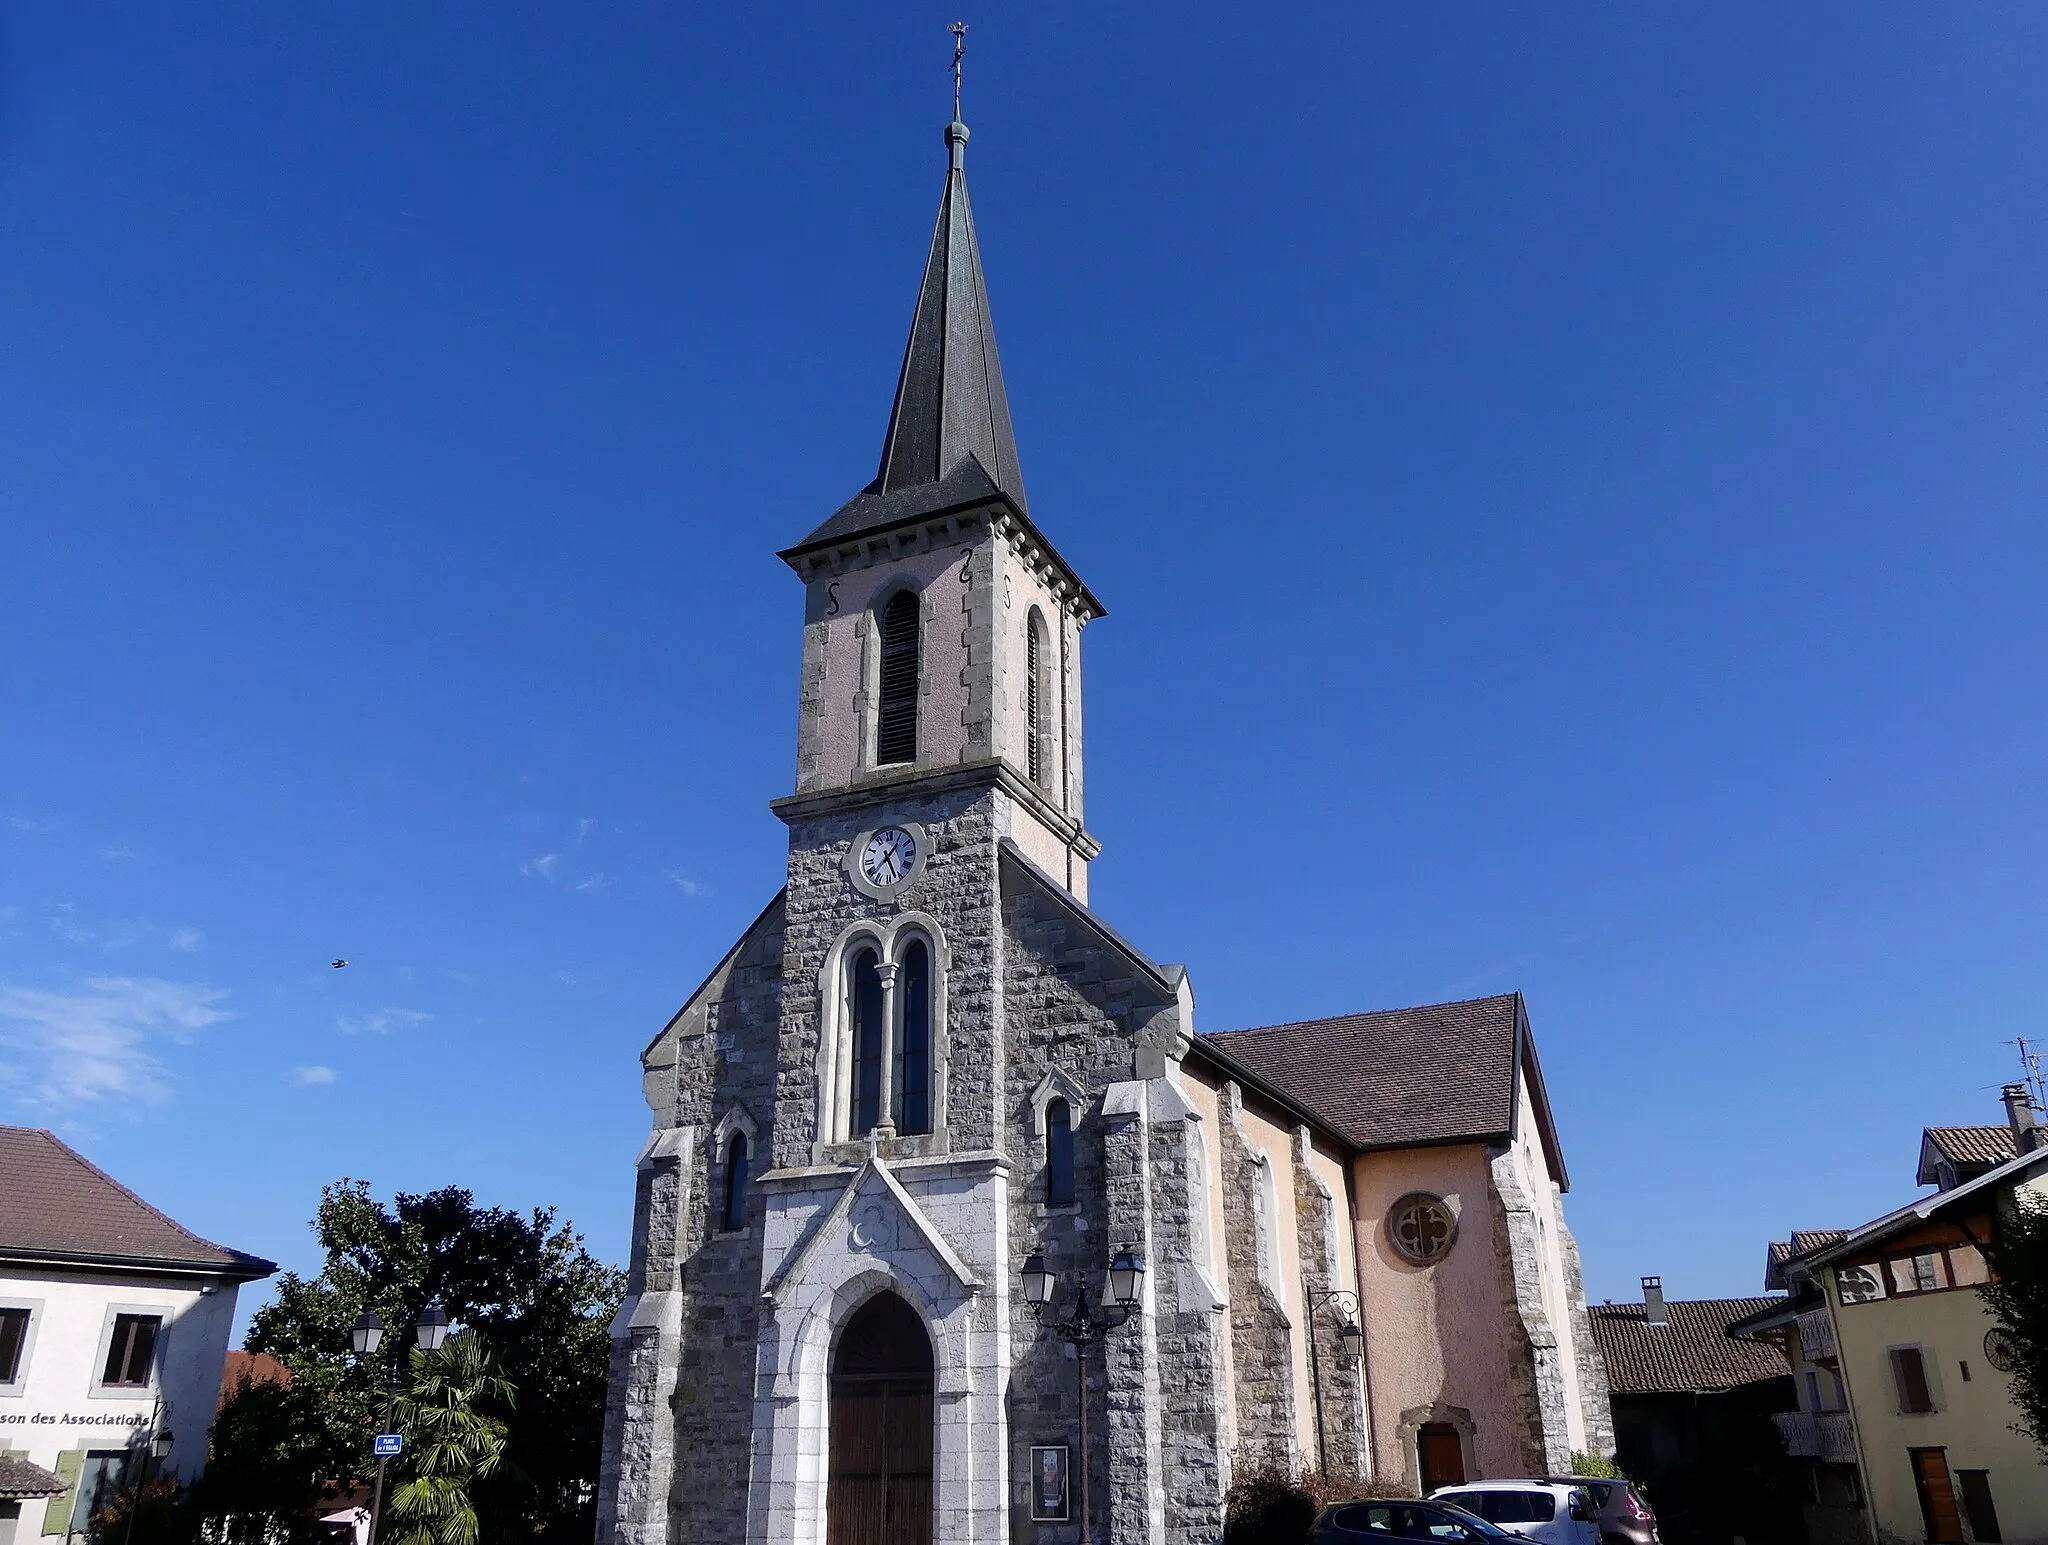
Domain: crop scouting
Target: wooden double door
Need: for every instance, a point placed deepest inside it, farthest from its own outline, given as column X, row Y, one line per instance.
column 879, row 1491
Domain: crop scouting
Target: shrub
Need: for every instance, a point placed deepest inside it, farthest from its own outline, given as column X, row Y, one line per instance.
column 1270, row 1504
column 1593, row 1465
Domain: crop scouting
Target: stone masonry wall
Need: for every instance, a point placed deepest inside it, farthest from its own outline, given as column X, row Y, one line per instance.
column 956, row 888
column 1533, row 1370
column 1320, row 1246
column 682, row 1393
column 1074, row 1002
column 1261, row 1334
column 1593, row 1388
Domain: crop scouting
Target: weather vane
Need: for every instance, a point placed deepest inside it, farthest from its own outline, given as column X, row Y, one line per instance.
column 959, row 31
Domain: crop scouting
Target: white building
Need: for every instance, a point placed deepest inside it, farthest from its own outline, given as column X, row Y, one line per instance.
column 114, row 1322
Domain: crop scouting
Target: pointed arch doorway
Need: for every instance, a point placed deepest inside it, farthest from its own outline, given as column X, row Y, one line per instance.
column 880, row 1487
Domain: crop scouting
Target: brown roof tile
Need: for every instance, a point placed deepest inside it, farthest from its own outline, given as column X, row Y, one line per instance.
column 19, row 1479
column 1970, row 1151
column 1436, row 1073
column 1784, row 1251
column 56, row 1204
column 1693, row 1352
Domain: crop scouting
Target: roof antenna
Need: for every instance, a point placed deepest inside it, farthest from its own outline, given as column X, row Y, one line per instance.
column 2030, row 1066
column 959, row 31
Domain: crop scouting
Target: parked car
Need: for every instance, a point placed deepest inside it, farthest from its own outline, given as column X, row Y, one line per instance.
column 1354, row 1523
column 1550, row 1512
column 1618, row 1508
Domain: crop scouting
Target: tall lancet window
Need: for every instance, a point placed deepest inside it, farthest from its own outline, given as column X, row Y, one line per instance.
column 896, row 718
column 864, row 995
column 913, row 1083
column 736, row 1183
column 1037, row 753
column 1059, row 1153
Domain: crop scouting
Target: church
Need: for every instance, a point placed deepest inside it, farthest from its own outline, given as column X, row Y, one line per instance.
column 951, row 1225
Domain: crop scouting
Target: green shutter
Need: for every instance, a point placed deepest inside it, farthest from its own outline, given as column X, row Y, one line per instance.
column 57, row 1516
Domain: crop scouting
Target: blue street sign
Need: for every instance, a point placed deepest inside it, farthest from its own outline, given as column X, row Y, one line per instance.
column 387, row 1444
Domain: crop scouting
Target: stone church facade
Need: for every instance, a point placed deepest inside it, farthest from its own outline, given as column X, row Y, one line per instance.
column 928, row 1060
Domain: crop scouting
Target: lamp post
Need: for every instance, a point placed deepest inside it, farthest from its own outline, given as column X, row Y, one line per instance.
column 1083, row 1329
column 1352, row 1339
column 366, row 1336
column 160, row 1441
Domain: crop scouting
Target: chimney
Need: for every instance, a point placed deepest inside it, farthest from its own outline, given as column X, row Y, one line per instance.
column 2019, row 1115
column 1654, row 1312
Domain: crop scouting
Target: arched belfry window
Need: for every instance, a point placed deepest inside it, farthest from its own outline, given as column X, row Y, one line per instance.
column 896, row 717
column 864, row 999
column 914, row 1059
column 1059, row 1153
column 879, row 1065
column 736, row 1158
column 1037, row 707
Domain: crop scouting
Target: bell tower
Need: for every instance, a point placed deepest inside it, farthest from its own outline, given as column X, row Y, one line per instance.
column 942, row 631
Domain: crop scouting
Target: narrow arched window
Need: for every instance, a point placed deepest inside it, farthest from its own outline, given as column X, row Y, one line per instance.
column 1034, row 696
column 736, row 1183
column 896, row 718
column 914, row 1048
column 1059, row 1153
column 864, row 1001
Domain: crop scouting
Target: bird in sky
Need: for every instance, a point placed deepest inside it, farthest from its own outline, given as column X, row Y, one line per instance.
column 337, row 964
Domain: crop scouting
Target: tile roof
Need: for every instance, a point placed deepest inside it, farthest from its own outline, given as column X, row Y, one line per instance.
column 1803, row 1242
column 19, row 1479
column 1435, row 1073
column 1971, row 1150
column 57, row 1205
column 255, row 1367
column 1693, row 1352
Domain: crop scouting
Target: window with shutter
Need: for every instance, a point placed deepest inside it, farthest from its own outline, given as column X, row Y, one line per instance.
column 131, row 1349
column 13, row 1341
column 1909, row 1371
column 896, row 718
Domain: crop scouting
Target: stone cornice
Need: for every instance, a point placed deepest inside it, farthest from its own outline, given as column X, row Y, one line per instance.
column 925, row 782
column 948, row 527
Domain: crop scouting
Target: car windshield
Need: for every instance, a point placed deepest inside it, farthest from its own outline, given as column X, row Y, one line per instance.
column 1506, row 1507
column 1479, row 1525
column 1416, row 1521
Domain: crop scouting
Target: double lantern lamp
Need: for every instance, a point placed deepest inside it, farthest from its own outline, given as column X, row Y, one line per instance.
column 1126, row 1280
column 367, row 1334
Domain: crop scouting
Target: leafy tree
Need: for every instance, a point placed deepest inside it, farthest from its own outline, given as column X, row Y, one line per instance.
column 2017, row 1297
column 1595, row 1466
column 535, row 1299
column 161, row 1517
column 454, row 1443
column 271, row 1456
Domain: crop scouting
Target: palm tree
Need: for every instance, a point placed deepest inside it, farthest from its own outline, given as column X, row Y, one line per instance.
column 452, row 1442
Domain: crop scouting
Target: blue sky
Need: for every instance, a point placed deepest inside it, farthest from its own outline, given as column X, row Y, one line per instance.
column 1567, row 485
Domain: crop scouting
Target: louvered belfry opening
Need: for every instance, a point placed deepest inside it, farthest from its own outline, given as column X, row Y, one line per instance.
column 1033, row 651
column 896, row 720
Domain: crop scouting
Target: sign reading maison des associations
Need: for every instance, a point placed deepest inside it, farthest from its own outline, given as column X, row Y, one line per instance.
column 74, row 1419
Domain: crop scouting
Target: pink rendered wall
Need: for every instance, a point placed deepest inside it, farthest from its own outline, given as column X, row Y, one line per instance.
column 835, row 603
column 1435, row 1334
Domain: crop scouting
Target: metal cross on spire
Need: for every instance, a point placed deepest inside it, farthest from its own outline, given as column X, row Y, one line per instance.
column 959, row 31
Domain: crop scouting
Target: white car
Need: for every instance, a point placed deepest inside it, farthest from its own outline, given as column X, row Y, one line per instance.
column 1545, row 1511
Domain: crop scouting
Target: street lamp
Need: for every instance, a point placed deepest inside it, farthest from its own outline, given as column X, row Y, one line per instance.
column 1349, row 1336
column 366, row 1336
column 1083, row 1329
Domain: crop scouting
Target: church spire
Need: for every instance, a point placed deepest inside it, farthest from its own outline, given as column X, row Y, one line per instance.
column 950, row 403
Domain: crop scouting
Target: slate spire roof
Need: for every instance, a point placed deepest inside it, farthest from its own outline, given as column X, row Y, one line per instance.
column 950, row 403
column 949, row 442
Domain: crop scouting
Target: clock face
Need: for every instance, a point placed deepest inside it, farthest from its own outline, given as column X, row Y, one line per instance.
column 889, row 856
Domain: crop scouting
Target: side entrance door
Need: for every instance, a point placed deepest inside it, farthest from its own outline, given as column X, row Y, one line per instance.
column 1937, row 1496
